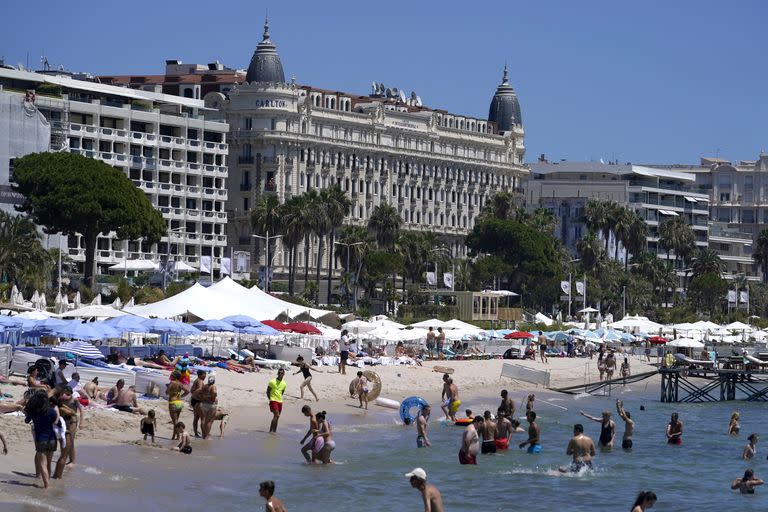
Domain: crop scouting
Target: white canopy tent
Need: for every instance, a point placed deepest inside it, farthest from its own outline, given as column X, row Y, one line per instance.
column 93, row 311
column 738, row 326
column 685, row 343
column 432, row 322
column 134, row 266
column 636, row 323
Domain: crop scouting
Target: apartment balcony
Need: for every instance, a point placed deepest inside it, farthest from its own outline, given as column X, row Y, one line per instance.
column 194, row 168
column 193, row 144
column 245, row 187
column 113, row 134
column 245, row 159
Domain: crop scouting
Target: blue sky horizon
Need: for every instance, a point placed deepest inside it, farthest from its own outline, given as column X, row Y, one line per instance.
column 644, row 82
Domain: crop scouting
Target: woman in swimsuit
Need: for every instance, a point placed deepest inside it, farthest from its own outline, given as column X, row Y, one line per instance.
column 175, row 392
column 207, row 406
column 33, row 383
column 70, row 410
column 751, row 449
column 644, row 501
column 326, row 434
column 675, row 430
column 306, row 371
column 747, row 483
column 733, row 425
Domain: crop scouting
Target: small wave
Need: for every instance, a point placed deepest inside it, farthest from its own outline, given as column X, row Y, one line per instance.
column 91, row 470
column 583, row 473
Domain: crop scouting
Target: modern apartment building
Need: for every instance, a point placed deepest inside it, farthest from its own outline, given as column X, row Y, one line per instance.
column 168, row 145
column 436, row 167
column 565, row 187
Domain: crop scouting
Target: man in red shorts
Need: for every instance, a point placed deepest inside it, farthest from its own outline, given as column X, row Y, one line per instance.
column 470, row 442
column 275, row 390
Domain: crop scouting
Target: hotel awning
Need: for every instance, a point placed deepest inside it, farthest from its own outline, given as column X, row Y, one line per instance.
column 691, row 199
column 667, row 212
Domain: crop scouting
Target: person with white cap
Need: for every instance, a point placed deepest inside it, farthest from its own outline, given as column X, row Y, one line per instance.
column 433, row 501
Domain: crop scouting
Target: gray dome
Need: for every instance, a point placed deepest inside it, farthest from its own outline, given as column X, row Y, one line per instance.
column 505, row 108
column 265, row 64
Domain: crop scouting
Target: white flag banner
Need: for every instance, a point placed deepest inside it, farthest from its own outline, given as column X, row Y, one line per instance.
column 448, row 279
column 566, row 287
column 731, row 295
column 226, row 267
column 744, row 297
column 205, row 264
column 242, row 261
column 431, row 278
column 580, row 287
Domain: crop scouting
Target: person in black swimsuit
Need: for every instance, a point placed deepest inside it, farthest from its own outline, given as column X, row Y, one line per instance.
column 747, row 484
column 306, row 371
column 607, row 429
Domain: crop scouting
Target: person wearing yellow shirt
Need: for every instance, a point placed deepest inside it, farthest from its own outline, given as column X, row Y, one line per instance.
column 275, row 390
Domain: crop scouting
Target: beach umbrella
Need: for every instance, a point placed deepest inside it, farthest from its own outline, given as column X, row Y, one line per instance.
column 358, row 326
column 128, row 323
column 80, row 331
column 657, row 340
column 131, row 302
column 434, row 323
column 14, row 299
column 685, row 343
column 215, row 326
column 117, row 304
column 518, row 335
column 280, row 326
column 303, row 328
column 263, row 330
column 242, row 321
column 163, row 326
column 79, row 348
column 611, row 336
column 10, row 321
column 76, row 300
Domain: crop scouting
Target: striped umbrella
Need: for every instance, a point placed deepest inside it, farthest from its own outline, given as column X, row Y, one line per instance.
column 79, row 348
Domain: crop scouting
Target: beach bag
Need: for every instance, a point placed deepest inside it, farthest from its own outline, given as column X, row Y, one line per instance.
column 60, row 429
column 153, row 390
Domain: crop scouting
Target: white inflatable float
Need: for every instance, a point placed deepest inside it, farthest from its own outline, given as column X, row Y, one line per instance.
column 386, row 402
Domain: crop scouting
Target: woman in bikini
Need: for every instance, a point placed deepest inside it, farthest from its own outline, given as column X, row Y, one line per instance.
column 733, row 425
column 175, row 392
column 324, row 433
column 306, row 371
column 206, row 407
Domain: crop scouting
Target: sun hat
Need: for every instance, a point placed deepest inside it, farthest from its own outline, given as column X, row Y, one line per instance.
column 418, row 473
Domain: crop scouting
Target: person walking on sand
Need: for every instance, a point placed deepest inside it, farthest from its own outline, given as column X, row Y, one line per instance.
column 610, row 366
column 194, row 399
column 607, row 429
column 751, row 449
column 440, row 341
column 149, row 425
column 361, row 387
column 175, row 392
column 72, row 413
column 306, row 449
column 629, row 426
column 267, row 491
column 207, row 406
column 747, row 483
column 43, row 417
column 305, row 370
column 675, row 430
column 582, row 449
column 625, row 372
column 644, row 501
column 275, row 390
column 343, row 351
column 488, row 431
column 543, row 348
column 431, row 343
column 470, row 442
column 433, row 501
column 534, row 434
column 422, row 418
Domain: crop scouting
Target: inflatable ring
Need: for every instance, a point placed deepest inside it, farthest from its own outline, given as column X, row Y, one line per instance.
column 408, row 404
column 463, row 422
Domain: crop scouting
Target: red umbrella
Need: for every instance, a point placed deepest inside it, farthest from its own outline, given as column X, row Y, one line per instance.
column 657, row 340
column 518, row 335
column 303, row 328
column 280, row 326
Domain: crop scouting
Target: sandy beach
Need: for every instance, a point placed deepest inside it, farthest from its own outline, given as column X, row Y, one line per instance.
column 244, row 396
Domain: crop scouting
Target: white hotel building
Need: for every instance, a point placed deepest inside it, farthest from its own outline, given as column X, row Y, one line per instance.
column 437, row 168
column 169, row 146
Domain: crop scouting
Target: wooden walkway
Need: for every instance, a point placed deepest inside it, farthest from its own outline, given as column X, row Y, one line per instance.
column 594, row 387
column 710, row 385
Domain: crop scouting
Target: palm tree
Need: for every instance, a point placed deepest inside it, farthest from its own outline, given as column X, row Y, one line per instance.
column 321, row 226
column 357, row 243
column 266, row 220
column 590, row 251
column 760, row 256
column 293, row 232
column 637, row 237
column 385, row 223
column 667, row 236
column 543, row 221
column 707, row 261
column 306, row 210
column 596, row 218
column 622, row 229
column 23, row 260
column 337, row 208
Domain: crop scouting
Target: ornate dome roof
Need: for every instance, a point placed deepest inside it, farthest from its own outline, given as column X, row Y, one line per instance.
column 505, row 108
column 265, row 64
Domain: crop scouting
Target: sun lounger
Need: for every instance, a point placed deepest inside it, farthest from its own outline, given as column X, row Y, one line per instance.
column 271, row 363
column 754, row 360
column 680, row 358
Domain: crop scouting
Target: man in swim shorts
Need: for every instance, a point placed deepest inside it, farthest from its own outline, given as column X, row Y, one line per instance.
column 445, row 395
column 488, row 431
column 504, row 430
column 194, row 399
column 507, row 406
column 275, row 390
column 675, row 430
column 534, row 434
column 607, row 429
column 470, row 442
column 440, row 341
column 454, row 403
column 629, row 426
column 343, row 352
column 421, row 427
column 582, row 449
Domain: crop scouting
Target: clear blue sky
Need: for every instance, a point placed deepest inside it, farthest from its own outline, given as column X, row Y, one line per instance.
column 651, row 81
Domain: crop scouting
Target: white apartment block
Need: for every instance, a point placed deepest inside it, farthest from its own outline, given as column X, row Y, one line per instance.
column 169, row 146
column 565, row 187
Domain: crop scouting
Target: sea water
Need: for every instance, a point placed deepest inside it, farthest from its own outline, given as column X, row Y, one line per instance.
column 371, row 460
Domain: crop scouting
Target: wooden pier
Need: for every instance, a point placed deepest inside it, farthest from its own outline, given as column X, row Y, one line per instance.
column 713, row 385
column 603, row 385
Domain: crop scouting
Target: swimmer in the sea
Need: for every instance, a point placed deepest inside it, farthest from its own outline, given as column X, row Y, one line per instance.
column 582, row 449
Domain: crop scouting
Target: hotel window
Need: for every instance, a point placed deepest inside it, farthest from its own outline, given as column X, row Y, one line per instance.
column 248, row 123
column 246, row 204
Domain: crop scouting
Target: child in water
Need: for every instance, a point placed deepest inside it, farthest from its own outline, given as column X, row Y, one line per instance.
column 148, row 425
column 184, row 442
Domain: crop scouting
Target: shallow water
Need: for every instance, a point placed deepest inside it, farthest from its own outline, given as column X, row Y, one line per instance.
column 371, row 460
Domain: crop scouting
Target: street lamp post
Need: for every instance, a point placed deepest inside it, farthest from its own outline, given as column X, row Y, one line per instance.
column 570, row 286
column 266, row 266
column 168, row 253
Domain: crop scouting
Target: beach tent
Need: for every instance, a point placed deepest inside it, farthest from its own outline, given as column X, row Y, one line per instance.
column 134, row 266
column 738, row 326
column 358, row 326
column 180, row 266
column 541, row 318
column 432, row 322
column 94, row 312
column 705, row 325
column 640, row 323
column 458, row 324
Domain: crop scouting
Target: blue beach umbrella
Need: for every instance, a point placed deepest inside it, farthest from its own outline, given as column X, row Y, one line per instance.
column 79, row 348
column 263, row 330
column 242, row 321
column 80, row 331
column 128, row 323
column 215, row 326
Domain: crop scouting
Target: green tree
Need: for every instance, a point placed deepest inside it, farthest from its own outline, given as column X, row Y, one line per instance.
column 707, row 261
column 707, row 292
column 338, row 208
column 385, row 223
column 293, row 232
column 636, row 241
column 596, row 217
column 23, row 260
column 69, row 193
column 267, row 220
column 760, row 255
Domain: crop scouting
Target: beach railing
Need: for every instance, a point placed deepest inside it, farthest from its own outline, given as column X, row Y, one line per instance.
column 525, row 374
